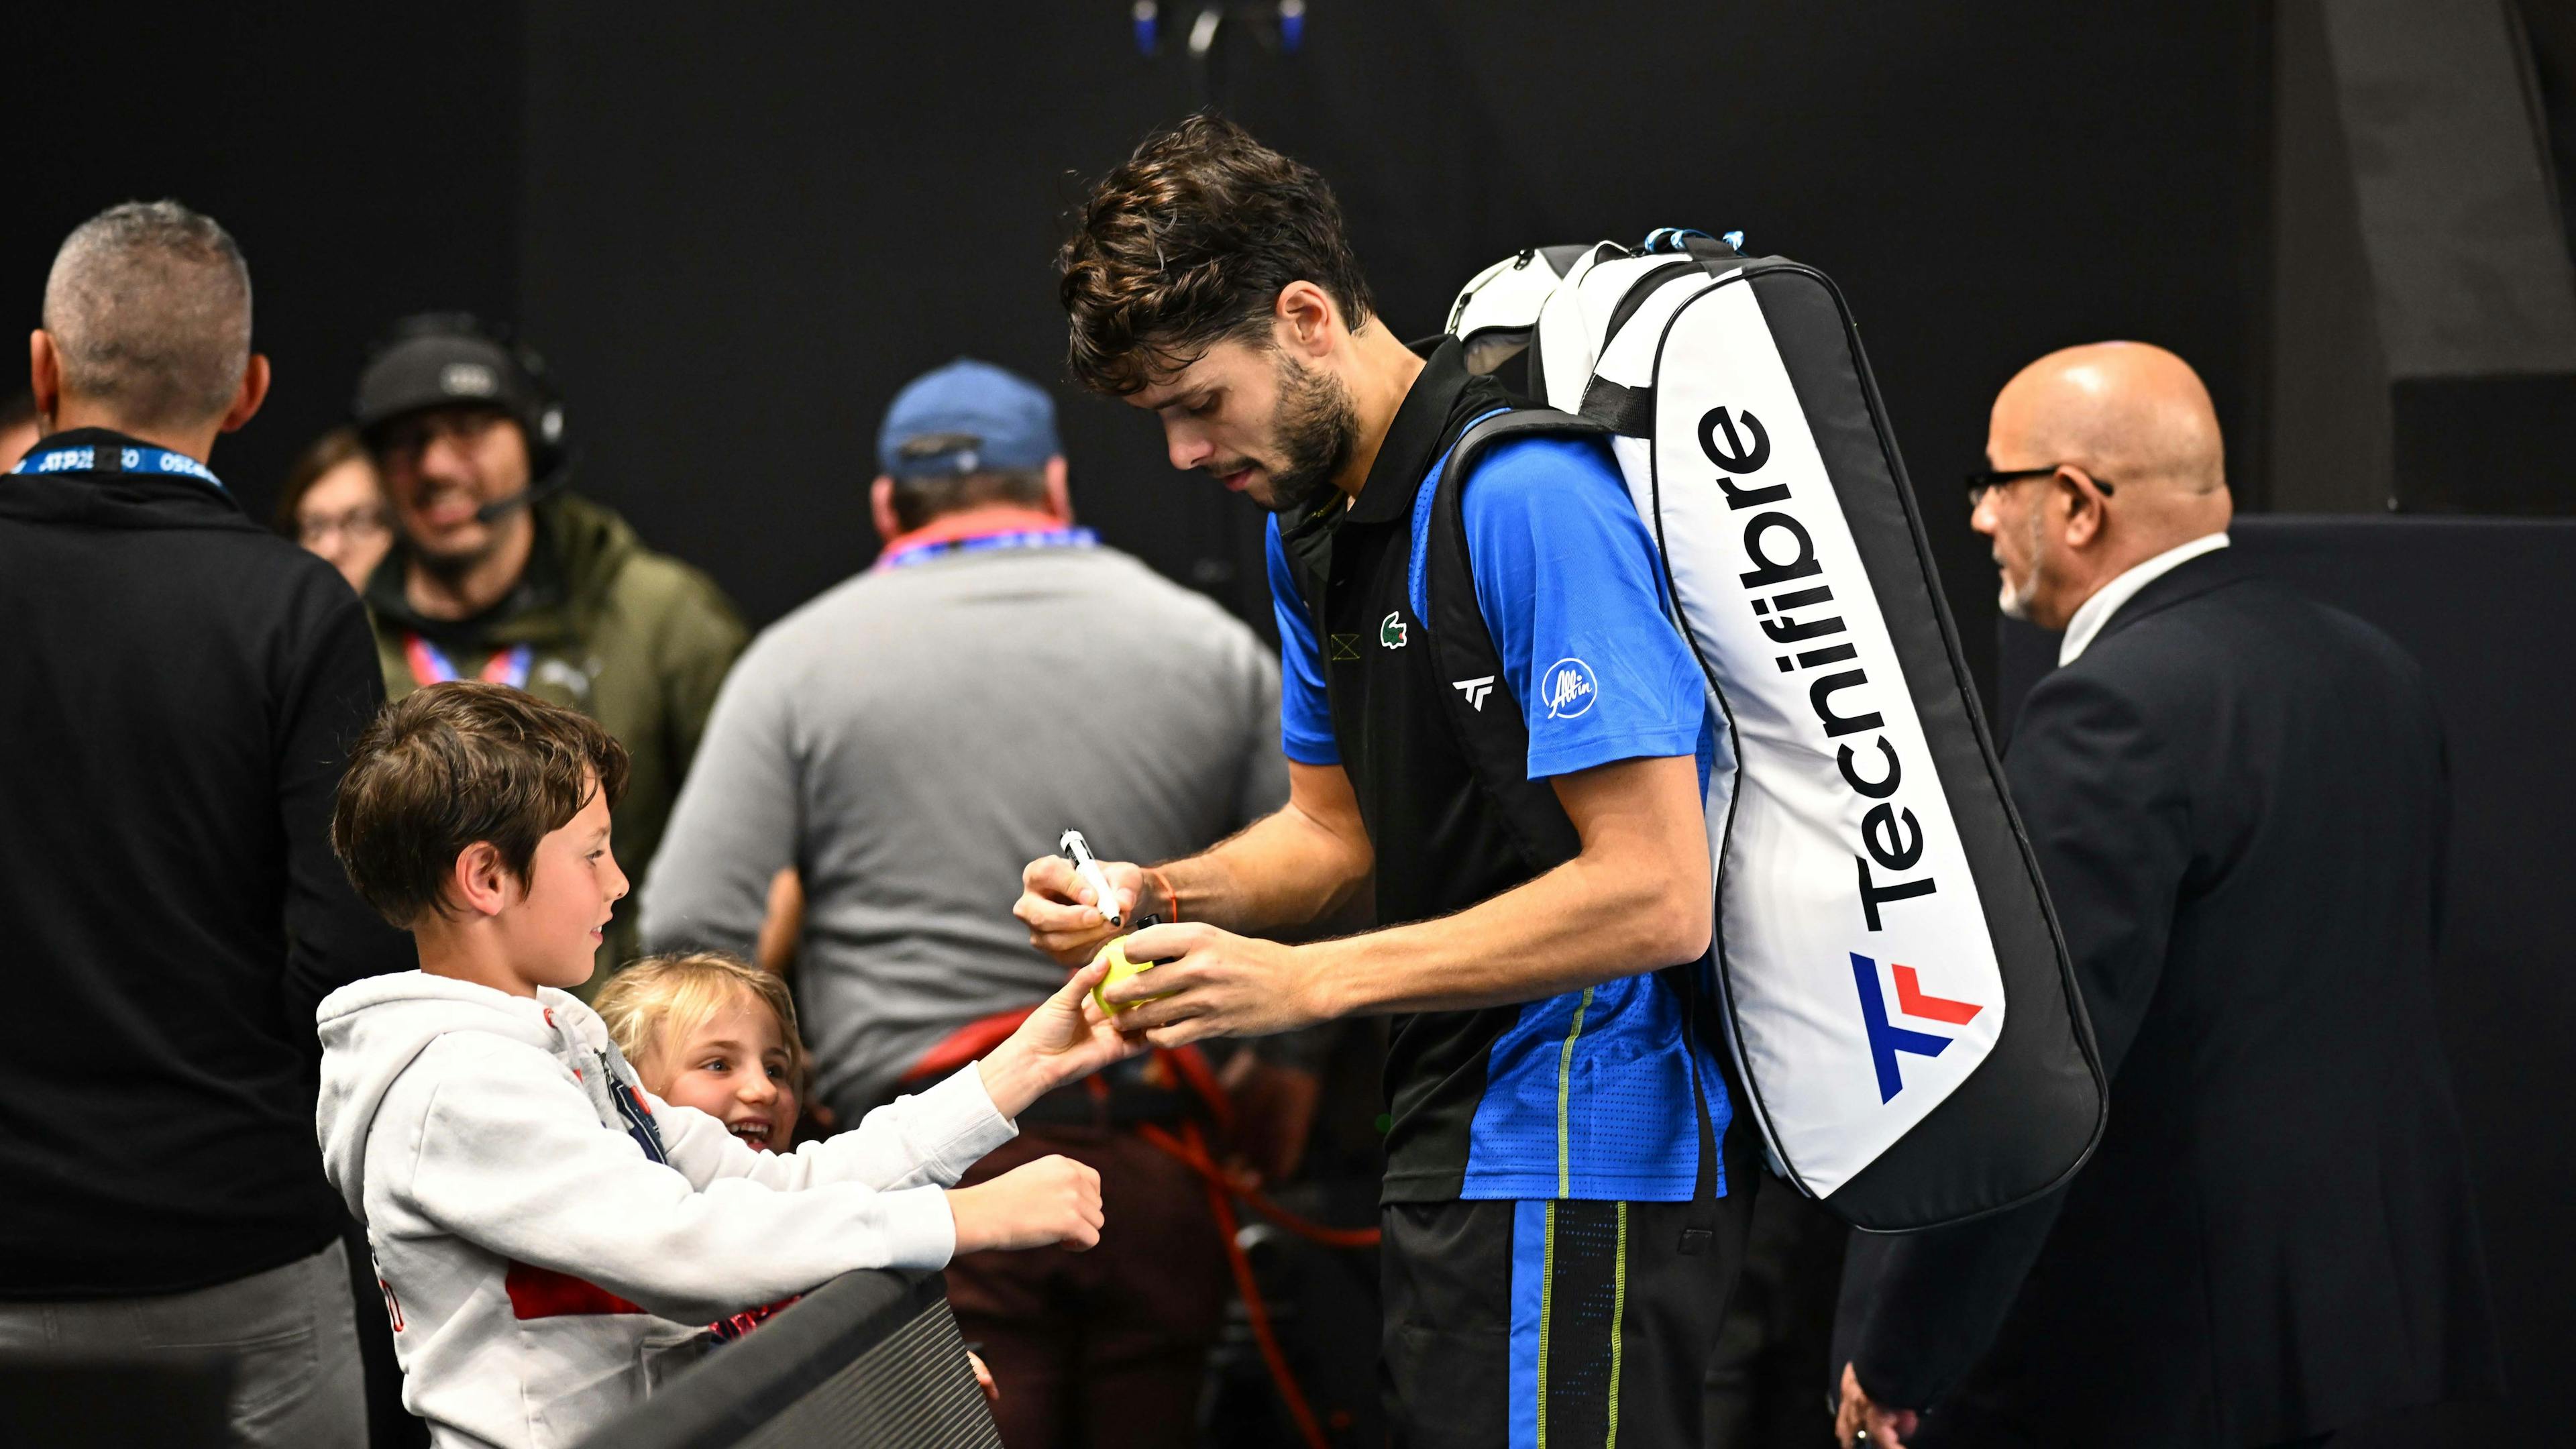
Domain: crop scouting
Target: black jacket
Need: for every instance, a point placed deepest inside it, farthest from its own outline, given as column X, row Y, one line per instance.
column 2239, row 803
column 176, row 704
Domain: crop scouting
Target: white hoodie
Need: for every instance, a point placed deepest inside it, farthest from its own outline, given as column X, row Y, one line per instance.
column 535, row 1258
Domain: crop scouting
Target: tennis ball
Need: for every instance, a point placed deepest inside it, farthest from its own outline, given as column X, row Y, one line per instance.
column 1120, row 968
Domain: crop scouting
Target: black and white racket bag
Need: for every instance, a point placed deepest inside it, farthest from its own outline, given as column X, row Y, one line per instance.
column 1897, row 997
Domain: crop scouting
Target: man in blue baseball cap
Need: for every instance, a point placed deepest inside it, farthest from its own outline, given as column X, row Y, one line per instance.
column 878, row 767
column 968, row 451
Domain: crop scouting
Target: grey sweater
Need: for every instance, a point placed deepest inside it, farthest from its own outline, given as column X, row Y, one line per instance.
column 912, row 738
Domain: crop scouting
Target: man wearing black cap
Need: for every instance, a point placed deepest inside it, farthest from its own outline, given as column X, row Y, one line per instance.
column 502, row 574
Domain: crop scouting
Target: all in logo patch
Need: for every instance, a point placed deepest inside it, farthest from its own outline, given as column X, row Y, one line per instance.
column 1569, row 688
column 1390, row 631
column 1887, row 1039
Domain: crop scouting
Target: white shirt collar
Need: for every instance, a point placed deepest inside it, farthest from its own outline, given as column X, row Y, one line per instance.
column 2106, row 601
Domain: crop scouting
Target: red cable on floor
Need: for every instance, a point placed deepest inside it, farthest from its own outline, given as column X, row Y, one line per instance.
column 1187, row 1064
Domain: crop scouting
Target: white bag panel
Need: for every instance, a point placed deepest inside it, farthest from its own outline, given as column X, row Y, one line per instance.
column 1566, row 341
column 1503, row 300
column 1629, row 359
column 1791, row 917
column 1604, row 284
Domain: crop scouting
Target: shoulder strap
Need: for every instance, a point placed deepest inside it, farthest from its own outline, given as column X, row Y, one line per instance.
column 1305, row 543
column 1477, row 702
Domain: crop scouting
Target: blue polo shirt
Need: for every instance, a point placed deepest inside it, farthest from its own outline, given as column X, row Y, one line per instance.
column 1570, row 585
column 1568, row 581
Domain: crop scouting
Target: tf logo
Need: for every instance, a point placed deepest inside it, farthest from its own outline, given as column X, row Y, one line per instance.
column 1887, row 1039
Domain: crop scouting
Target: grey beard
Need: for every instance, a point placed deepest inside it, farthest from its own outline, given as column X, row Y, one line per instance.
column 2012, row 602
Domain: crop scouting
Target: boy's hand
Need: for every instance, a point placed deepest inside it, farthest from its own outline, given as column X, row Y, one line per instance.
column 1051, row 1200
column 1063, row 919
column 1063, row 1041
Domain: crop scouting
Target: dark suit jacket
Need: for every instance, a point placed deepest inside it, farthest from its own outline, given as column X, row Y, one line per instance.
column 2238, row 801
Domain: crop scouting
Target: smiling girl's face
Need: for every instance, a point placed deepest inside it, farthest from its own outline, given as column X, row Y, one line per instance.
column 735, row 1068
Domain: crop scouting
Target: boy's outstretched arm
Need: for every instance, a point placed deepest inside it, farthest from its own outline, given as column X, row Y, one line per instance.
column 492, row 1142
column 932, row 1137
column 1063, row 1041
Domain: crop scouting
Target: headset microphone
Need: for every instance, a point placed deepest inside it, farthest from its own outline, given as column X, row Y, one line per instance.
column 545, row 444
column 500, row 508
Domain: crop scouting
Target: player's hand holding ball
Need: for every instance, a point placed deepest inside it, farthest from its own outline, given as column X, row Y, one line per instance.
column 1205, row 982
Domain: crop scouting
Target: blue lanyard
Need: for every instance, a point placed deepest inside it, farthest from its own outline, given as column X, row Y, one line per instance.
column 145, row 460
column 990, row 543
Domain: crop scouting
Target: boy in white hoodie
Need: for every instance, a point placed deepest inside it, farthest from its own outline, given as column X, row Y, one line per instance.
column 546, row 1231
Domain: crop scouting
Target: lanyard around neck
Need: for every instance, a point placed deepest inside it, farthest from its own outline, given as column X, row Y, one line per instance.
column 145, row 459
column 987, row 543
column 431, row 666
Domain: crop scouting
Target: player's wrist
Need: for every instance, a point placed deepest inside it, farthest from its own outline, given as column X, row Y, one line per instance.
column 1330, row 988
column 1159, row 895
column 1210, row 893
column 1183, row 890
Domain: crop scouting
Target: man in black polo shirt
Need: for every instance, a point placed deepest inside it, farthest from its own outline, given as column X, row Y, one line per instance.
column 178, row 699
column 1562, row 1208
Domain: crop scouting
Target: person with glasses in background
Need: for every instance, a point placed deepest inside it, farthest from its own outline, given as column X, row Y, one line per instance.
column 334, row 505
column 501, row 572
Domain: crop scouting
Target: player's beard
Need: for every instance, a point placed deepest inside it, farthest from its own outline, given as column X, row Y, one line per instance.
column 1314, row 430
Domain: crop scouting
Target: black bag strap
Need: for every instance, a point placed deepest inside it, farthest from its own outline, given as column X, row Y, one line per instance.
column 1476, row 701
column 1490, row 728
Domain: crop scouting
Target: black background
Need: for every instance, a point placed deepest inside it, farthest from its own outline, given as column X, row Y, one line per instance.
column 367, row 169
column 736, row 234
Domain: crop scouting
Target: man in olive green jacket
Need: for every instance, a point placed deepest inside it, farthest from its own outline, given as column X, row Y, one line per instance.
column 501, row 575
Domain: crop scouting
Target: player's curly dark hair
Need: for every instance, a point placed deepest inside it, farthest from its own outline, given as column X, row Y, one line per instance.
column 1189, row 242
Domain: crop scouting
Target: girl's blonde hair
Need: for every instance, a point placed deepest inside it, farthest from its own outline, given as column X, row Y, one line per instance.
column 664, row 998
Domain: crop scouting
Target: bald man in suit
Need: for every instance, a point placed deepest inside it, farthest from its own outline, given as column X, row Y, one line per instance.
column 2238, row 800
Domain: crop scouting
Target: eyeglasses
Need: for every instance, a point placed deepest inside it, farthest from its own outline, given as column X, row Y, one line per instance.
column 356, row 523
column 409, row 437
column 1980, row 484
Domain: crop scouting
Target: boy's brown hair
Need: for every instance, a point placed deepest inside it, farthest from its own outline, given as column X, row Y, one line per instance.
column 1189, row 243
column 661, row 999
column 453, row 764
